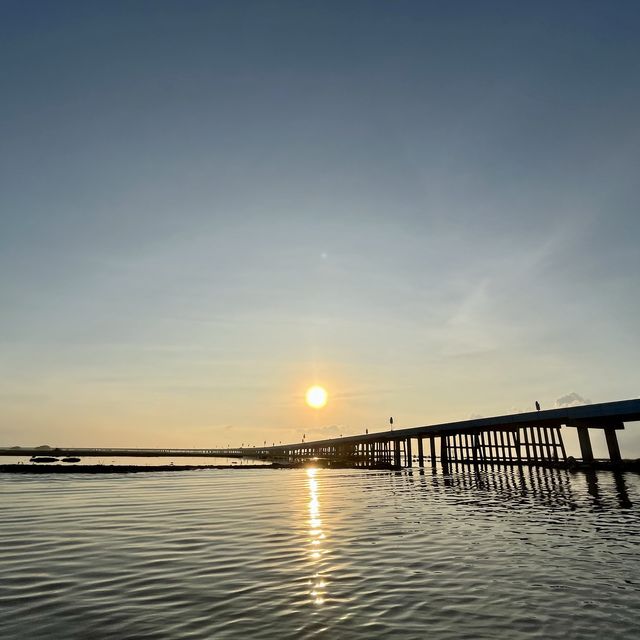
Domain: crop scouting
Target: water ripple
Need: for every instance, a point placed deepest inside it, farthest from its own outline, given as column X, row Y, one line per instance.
column 325, row 554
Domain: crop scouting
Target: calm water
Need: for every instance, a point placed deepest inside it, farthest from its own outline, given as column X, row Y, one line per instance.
column 326, row 554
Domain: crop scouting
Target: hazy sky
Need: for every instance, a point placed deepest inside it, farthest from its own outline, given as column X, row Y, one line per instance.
column 432, row 208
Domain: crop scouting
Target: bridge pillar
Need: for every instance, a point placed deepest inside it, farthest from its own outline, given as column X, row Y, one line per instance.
column 444, row 454
column 432, row 450
column 396, row 453
column 408, row 455
column 534, row 446
column 561, row 443
column 585, row 444
column 420, row 453
column 517, row 444
column 612, row 444
column 545, row 434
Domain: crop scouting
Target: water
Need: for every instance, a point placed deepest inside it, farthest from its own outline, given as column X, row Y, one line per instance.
column 320, row 554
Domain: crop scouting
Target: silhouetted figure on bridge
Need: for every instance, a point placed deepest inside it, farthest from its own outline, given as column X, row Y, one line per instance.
column 537, row 406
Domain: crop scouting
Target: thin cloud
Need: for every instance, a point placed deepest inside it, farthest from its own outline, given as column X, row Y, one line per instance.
column 317, row 433
column 572, row 399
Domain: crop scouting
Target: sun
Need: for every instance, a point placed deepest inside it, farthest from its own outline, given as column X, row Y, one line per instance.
column 316, row 397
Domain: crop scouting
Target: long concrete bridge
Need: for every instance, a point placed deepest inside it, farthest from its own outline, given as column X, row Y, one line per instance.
column 533, row 438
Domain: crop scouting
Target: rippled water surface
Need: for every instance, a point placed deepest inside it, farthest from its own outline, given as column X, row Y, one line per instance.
column 329, row 554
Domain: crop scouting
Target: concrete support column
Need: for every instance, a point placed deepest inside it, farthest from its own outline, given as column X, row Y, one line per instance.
column 585, row 444
column 612, row 444
column 396, row 453
column 432, row 449
column 534, row 447
column 561, row 443
column 545, row 434
column 408, row 454
column 420, row 453
column 516, row 441
column 444, row 454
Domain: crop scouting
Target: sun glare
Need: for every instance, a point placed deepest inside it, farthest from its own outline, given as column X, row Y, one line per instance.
column 316, row 397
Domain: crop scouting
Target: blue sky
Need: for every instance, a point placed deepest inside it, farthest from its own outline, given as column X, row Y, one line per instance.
column 430, row 208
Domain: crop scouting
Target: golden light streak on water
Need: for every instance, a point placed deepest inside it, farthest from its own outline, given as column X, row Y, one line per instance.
column 316, row 536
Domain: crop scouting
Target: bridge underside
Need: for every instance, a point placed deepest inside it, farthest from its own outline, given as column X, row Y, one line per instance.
column 487, row 447
column 508, row 446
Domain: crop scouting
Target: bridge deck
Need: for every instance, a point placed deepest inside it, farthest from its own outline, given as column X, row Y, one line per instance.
column 522, row 438
column 606, row 414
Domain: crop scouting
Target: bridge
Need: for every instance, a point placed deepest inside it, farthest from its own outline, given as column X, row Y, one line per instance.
column 533, row 438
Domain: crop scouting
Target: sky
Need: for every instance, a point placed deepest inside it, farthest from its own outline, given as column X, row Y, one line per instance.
column 429, row 208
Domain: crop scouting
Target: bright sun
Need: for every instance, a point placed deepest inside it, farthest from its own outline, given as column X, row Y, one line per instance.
column 316, row 397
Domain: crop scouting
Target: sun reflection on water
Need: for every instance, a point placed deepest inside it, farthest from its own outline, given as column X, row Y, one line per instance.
column 317, row 583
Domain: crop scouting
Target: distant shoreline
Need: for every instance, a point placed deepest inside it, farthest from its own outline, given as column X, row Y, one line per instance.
column 573, row 466
column 122, row 468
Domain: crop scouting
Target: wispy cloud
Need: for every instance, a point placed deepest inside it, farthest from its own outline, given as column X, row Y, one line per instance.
column 315, row 433
column 572, row 399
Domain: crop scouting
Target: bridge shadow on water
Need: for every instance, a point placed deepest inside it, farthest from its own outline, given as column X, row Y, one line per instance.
column 513, row 486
